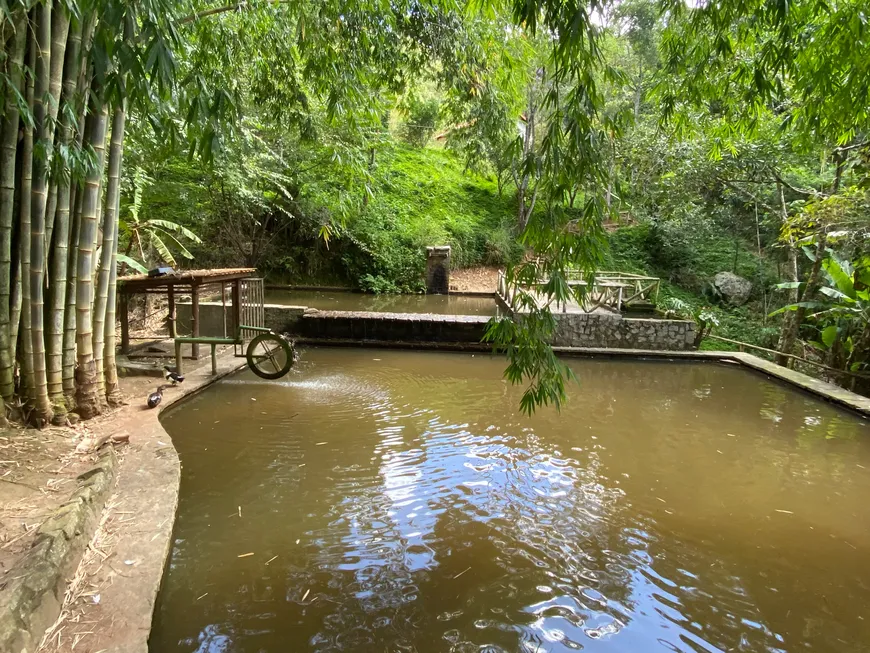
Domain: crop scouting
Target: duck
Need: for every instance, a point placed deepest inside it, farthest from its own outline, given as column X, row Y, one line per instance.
column 172, row 376
column 155, row 398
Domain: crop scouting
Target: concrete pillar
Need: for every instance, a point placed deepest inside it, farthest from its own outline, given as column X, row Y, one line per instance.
column 438, row 270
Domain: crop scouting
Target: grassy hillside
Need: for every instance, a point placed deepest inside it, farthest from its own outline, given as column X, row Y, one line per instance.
column 686, row 271
column 425, row 197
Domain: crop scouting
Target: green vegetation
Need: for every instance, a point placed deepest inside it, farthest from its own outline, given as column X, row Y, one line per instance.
column 734, row 135
column 424, row 197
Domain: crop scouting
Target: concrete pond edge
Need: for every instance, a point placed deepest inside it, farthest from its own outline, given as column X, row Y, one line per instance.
column 35, row 594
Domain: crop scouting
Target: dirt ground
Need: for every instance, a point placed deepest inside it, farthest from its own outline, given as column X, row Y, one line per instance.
column 38, row 469
column 37, row 473
column 477, row 279
column 110, row 599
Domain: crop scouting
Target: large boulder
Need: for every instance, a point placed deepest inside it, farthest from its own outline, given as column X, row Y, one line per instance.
column 731, row 288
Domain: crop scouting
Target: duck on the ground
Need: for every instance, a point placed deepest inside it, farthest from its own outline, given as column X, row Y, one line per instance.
column 155, row 397
column 172, row 375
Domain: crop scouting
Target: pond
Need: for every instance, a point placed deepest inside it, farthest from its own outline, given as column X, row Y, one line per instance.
column 380, row 500
column 326, row 300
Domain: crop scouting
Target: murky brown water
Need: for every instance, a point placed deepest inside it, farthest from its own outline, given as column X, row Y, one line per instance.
column 354, row 301
column 394, row 501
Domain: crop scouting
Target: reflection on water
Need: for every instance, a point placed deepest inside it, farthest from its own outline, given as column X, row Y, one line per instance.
column 351, row 301
column 395, row 501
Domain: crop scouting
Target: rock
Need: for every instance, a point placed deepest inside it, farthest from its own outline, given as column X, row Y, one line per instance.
column 731, row 288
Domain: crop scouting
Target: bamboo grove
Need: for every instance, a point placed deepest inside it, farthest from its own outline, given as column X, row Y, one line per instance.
column 67, row 71
column 73, row 69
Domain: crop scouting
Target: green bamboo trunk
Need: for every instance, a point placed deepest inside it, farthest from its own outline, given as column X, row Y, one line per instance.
column 8, row 153
column 24, row 352
column 87, row 401
column 85, row 126
column 113, row 391
column 69, row 316
column 57, row 285
column 110, row 234
column 42, row 412
column 60, row 24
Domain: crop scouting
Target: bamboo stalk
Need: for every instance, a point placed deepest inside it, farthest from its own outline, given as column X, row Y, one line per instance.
column 60, row 24
column 87, row 401
column 83, row 126
column 8, row 153
column 39, row 197
column 25, row 351
column 109, row 250
column 113, row 391
column 68, row 358
column 57, row 287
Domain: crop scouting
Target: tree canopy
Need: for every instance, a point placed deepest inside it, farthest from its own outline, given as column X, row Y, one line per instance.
column 267, row 122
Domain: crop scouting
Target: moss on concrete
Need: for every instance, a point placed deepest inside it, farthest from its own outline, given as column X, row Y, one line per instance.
column 33, row 597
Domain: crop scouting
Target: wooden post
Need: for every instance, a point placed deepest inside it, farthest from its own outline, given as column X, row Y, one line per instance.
column 125, row 323
column 171, row 297
column 224, row 306
column 194, row 314
column 213, row 359
column 237, row 308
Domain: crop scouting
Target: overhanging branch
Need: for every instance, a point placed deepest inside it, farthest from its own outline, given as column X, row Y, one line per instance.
column 237, row 6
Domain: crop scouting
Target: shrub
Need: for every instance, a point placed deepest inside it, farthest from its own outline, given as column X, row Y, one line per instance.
column 422, row 120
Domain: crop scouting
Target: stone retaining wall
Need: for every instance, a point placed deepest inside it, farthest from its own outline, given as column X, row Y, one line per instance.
column 595, row 330
column 617, row 332
column 37, row 584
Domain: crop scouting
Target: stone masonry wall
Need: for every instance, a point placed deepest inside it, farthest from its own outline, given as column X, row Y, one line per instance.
column 574, row 329
column 617, row 332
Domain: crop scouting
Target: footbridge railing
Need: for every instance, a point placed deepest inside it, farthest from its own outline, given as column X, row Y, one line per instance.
column 617, row 291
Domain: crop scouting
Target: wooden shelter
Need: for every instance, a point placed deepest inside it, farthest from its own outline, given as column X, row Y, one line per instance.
column 190, row 282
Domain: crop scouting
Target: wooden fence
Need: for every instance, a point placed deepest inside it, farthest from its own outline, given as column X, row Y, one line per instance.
column 614, row 290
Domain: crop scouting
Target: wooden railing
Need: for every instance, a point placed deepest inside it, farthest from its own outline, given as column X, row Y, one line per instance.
column 637, row 288
column 614, row 290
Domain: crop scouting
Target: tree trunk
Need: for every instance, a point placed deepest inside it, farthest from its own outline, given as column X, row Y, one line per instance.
column 57, row 286
column 25, row 350
column 60, row 23
column 790, row 329
column 109, row 250
column 638, row 92
column 8, row 153
column 68, row 360
column 42, row 413
column 87, row 401
column 85, row 126
column 113, row 391
column 524, row 207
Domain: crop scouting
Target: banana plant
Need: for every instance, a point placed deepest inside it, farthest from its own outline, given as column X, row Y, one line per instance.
column 149, row 236
column 841, row 312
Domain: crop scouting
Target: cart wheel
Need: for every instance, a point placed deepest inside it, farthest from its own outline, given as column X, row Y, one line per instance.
column 269, row 356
